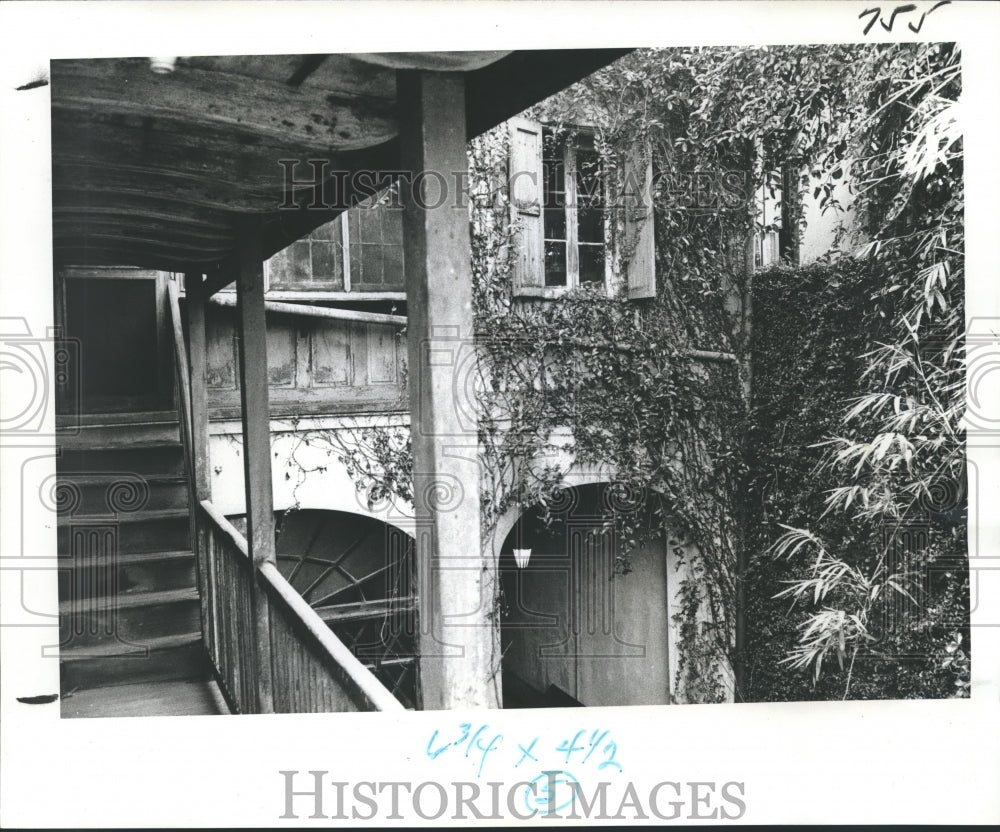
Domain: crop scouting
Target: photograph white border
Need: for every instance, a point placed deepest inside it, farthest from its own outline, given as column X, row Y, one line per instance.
column 879, row 762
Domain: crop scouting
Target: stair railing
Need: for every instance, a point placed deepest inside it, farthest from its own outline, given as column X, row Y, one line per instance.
column 312, row 670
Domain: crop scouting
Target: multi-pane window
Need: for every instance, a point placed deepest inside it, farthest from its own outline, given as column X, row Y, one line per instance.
column 360, row 251
column 573, row 212
column 768, row 220
column 376, row 243
column 314, row 263
column 559, row 201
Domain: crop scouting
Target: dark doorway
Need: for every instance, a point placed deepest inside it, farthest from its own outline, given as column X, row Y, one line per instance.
column 576, row 629
column 118, row 326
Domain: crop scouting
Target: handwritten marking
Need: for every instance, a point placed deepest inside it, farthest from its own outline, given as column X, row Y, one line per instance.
column 472, row 738
column 876, row 16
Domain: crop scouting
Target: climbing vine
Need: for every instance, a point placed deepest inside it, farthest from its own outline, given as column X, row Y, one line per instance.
column 642, row 390
column 878, row 567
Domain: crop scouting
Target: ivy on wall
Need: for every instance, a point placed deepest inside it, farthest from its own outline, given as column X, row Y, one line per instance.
column 870, row 364
column 619, row 380
column 612, row 383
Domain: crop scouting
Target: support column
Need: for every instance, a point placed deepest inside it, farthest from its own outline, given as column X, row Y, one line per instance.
column 197, row 359
column 459, row 632
column 256, row 416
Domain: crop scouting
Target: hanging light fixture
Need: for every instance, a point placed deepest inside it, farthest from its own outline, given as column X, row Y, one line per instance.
column 163, row 66
column 521, row 557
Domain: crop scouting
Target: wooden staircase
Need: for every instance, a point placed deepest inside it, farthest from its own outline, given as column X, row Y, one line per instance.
column 129, row 613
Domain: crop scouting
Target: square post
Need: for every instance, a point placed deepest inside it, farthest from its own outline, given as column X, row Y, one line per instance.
column 202, row 487
column 256, row 415
column 459, row 632
column 198, row 358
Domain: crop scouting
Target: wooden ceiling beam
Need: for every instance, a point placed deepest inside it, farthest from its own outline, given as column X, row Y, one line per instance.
column 317, row 119
column 83, row 203
column 204, row 193
column 342, row 72
column 128, row 237
column 68, row 224
column 113, row 144
column 122, row 255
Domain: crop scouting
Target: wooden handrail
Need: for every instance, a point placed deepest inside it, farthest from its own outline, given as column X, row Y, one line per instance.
column 223, row 525
column 307, row 310
column 180, row 357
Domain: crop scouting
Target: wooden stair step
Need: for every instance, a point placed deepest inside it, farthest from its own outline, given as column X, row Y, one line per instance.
column 146, row 557
column 143, row 599
column 138, row 458
column 115, row 436
column 98, row 492
column 141, row 516
column 100, row 665
column 104, row 478
column 127, row 574
column 131, row 533
column 129, row 619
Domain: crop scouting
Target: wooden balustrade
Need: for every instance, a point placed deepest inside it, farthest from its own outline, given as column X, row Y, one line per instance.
column 269, row 649
column 312, row 671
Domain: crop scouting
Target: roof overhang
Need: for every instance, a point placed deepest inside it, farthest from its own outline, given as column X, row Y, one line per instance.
column 159, row 170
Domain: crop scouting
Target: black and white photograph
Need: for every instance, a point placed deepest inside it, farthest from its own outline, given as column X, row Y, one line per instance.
column 407, row 394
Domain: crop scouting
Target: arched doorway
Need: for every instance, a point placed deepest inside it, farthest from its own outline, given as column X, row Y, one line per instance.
column 575, row 629
column 357, row 572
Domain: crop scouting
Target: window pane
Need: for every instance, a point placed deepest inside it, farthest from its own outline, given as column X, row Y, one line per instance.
column 327, row 266
column 588, row 177
column 553, row 170
column 555, row 223
column 555, row 263
column 371, row 265
column 392, row 261
column 591, row 264
column 371, row 224
column 590, row 225
column 291, row 268
column 555, row 181
column 392, row 226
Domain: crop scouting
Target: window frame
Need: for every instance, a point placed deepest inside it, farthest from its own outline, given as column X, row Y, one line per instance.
column 570, row 147
column 345, row 294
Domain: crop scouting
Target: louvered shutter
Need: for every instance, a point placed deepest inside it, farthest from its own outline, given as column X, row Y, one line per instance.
column 639, row 237
column 526, row 185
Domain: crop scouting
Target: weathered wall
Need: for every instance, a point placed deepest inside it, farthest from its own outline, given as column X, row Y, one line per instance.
column 305, row 470
column 315, row 365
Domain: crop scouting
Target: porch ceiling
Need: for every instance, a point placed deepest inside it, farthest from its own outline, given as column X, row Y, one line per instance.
column 159, row 170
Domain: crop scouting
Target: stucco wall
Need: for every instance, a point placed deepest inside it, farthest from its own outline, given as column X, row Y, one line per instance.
column 305, row 470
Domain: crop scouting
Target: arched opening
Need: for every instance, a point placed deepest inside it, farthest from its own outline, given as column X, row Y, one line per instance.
column 578, row 626
column 357, row 572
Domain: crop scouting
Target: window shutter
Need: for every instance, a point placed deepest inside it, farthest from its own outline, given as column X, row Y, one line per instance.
column 525, row 179
column 639, row 237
